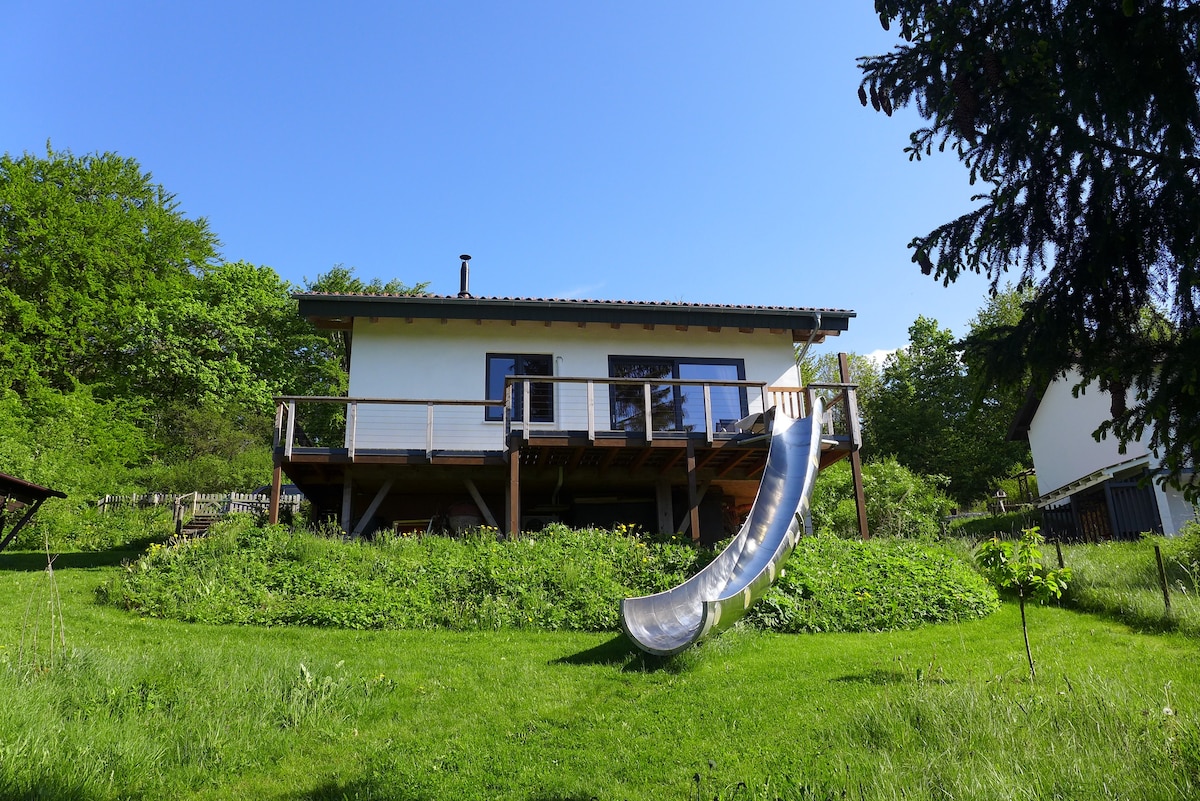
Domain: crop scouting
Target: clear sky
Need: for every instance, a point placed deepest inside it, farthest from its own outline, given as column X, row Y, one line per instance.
column 696, row 151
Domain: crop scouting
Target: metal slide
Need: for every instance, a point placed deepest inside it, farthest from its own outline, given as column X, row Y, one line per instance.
column 720, row 594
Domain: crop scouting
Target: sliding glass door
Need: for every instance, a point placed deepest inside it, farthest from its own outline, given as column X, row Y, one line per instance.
column 675, row 408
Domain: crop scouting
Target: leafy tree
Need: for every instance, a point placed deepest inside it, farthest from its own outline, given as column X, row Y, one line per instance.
column 900, row 503
column 86, row 243
column 923, row 414
column 1018, row 566
column 230, row 338
column 824, row 369
column 341, row 280
column 1081, row 120
column 72, row 442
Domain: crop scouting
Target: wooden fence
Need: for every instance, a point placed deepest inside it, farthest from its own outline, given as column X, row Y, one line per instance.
column 196, row 503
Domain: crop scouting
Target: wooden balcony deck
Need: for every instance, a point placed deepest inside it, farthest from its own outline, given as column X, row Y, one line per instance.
column 422, row 446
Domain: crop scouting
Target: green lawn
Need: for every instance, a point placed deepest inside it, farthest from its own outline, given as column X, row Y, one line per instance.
column 148, row 708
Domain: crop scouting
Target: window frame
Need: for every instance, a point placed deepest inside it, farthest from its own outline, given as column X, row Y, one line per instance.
column 677, row 399
column 493, row 414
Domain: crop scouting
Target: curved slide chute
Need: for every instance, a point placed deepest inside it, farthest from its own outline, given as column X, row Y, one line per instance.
column 720, row 594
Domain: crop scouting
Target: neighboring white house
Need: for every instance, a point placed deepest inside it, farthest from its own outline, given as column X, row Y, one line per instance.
column 627, row 413
column 1090, row 489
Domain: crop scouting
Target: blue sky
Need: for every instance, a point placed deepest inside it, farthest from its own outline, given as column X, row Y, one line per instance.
column 693, row 151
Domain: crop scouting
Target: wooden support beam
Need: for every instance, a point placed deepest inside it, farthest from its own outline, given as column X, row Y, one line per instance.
column 685, row 525
column 16, row 529
column 640, row 459
column 576, row 458
column 707, row 459
column 347, row 500
column 276, row 488
column 372, row 508
column 483, row 509
column 608, row 458
column 514, row 492
column 673, row 459
column 860, row 498
column 737, row 460
column 693, row 497
column 662, row 503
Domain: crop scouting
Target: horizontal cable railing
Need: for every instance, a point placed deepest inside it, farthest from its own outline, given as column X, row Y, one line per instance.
column 657, row 407
column 360, row 425
column 543, row 405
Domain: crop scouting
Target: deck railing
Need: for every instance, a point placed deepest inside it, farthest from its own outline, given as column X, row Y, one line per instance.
column 841, row 421
column 358, row 425
column 548, row 405
column 659, row 407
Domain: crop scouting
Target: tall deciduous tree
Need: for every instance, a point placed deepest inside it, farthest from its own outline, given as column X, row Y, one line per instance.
column 1081, row 121
column 86, row 243
column 923, row 413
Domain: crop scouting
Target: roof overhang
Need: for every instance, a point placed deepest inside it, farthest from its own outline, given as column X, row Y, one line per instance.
column 1092, row 479
column 25, row 492
column 338, row 312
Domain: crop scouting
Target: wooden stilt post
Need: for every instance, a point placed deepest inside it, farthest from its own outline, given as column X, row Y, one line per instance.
column 860, row 498
column 347, row 500
column 662, row 503
column 514, row 491
column 276, row 488
column 693, row 495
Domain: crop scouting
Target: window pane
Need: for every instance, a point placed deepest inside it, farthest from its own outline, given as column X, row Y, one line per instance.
column 629, row 400
column 541, row 396
column 728, row 403
column 497, row 368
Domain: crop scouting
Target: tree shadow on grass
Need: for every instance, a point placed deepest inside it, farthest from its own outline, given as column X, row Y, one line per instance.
column 876, row 677
column 621, row 651
column 33, row 561
column 359, row 790
column 378, row 790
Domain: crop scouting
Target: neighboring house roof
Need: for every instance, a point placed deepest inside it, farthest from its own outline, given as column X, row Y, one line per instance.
column 25, row 491
column 339, row 310
column 1018, row 429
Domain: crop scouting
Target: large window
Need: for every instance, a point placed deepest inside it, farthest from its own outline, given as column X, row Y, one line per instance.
column 541, row 396
column 675, row 408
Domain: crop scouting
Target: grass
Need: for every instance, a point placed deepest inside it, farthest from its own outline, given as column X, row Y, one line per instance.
column 149, row 708
column 1121, row 579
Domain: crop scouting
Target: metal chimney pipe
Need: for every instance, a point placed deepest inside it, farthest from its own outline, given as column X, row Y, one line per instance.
column 464, row 276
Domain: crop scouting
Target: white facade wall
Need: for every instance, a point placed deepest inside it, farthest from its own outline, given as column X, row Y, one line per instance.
column 429, row 359
column 1060, row 435
column 1064, row 450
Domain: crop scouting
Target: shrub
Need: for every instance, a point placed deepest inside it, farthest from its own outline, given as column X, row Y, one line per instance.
column 65, row 526
column 559, row 579
column 900, row 503
column 835, row 584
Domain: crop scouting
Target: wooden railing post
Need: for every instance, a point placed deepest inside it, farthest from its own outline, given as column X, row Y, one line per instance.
column 708, row 425
column 291, row 430
column 429, row 431
column 649, row 412
column 591, row 410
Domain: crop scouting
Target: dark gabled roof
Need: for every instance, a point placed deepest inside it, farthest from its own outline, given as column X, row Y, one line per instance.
column 337, row 310
column 1018, row 429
